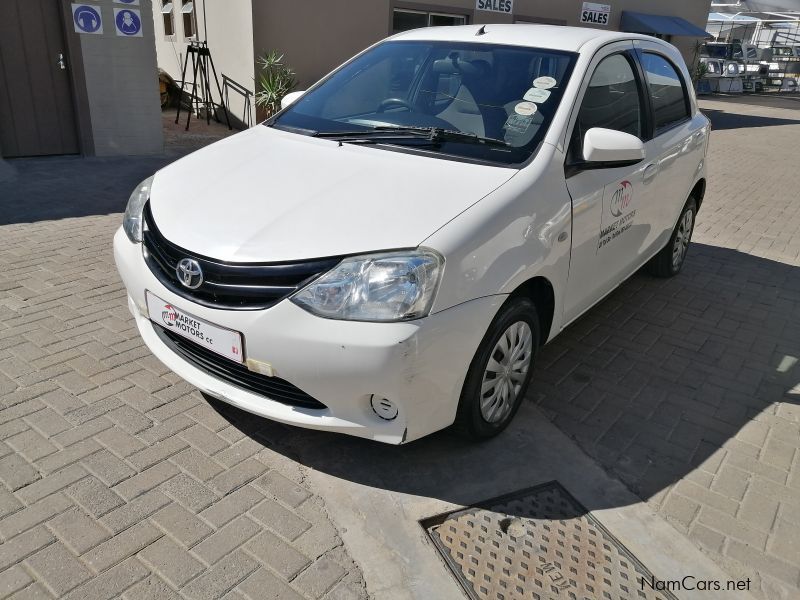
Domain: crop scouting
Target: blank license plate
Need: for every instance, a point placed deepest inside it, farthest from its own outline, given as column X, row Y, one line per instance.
column 225, row 342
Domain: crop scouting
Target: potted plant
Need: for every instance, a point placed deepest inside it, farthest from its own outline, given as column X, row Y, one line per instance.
column 698, row 72
column 274, row 81
column 701, row 84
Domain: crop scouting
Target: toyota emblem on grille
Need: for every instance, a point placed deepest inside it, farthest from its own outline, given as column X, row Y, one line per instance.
column 189, row 273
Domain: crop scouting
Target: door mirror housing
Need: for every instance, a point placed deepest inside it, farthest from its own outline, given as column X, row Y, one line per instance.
column 291, row 98
column 610, row 148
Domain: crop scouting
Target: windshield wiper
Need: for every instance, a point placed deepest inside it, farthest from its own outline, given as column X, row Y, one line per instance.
column 433, row 135
column 350, row 135
column 439, row 134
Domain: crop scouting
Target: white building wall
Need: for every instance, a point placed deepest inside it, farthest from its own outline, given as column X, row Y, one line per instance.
column 229, row 30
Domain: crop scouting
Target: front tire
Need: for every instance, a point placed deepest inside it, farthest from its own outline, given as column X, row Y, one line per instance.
column 669, row 261
column 500, row 372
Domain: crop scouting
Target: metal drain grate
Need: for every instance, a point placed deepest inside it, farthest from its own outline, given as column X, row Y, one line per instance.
column 539, row 543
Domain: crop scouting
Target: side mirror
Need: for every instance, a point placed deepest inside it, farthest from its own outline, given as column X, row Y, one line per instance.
column 291, row 98
column 610, row 148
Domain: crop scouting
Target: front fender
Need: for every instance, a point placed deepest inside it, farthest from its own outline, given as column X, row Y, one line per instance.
column 521, row 230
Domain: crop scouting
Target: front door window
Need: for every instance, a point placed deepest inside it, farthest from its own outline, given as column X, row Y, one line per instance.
column 611, row 101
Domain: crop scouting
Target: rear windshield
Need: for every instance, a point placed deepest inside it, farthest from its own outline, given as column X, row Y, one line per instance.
column 506, row 93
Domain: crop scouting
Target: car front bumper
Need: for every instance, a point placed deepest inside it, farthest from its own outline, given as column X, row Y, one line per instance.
column 419, row 366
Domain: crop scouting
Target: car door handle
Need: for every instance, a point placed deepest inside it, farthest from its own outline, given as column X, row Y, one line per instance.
column 649, row 172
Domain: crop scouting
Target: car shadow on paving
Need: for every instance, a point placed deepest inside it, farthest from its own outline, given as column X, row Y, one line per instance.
column 653, row 380
column 663, row 374
column 722, row 120
column 669, row 384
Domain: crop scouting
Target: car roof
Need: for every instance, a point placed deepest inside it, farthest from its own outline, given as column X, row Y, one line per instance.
column 555, row 37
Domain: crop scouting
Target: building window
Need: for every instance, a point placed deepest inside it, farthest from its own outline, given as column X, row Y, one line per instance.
column 187, row 10
column 539, row 20
column 168, row 17
column 439, row 20
column 404, row 19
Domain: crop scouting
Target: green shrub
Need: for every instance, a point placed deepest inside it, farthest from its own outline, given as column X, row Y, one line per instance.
column 274, row 81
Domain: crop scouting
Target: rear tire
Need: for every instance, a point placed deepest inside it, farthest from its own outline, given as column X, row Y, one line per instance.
column 669, row 261
column 500, row 372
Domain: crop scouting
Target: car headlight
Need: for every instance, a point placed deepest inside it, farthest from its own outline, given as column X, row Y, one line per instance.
column 132, row 222
column 394, row 286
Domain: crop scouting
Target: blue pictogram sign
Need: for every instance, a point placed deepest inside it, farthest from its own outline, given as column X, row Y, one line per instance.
column 87, row 18
column 128, row 21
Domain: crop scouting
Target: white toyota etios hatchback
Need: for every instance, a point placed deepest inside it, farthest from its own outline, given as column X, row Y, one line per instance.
column 386, row 255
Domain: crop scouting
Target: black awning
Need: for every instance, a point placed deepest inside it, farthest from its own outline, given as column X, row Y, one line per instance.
column 636, row 22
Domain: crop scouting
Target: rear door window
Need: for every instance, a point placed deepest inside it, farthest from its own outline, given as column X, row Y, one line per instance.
column 667, row 91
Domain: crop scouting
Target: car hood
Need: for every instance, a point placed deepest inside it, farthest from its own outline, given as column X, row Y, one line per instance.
column 266, row 195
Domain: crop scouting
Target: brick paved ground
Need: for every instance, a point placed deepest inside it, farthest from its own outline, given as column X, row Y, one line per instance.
column 118, row 479
column 688, row 389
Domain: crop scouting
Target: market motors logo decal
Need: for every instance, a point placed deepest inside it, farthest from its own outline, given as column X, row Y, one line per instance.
column 621, row 208
column 169, row 316
column 621, row 199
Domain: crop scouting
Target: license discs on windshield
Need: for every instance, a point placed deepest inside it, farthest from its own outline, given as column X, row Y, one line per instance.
column 544, row 83
column 525, row 109
column 536, row 95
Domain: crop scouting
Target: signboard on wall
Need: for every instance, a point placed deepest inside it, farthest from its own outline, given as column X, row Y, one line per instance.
column 500, row 6
column 595, row 14
column 87, row 19
column 128, row 22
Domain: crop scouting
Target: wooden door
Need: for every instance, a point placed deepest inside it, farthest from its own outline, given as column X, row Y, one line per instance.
column 37, row 112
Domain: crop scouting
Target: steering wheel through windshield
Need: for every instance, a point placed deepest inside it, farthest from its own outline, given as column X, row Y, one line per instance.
column 389, row 102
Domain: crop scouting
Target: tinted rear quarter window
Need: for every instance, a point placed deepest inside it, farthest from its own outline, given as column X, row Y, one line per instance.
column 667, row 91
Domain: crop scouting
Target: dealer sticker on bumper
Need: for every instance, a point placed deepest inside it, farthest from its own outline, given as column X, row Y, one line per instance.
column 223, row 341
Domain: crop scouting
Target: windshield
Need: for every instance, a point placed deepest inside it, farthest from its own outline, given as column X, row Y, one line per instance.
column 505, row 95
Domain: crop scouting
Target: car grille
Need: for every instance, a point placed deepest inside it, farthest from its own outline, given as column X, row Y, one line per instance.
column 233, row 286
column 236, row 374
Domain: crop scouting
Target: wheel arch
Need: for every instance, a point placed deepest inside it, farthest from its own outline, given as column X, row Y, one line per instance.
column 540, row 291
column 699, row 191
